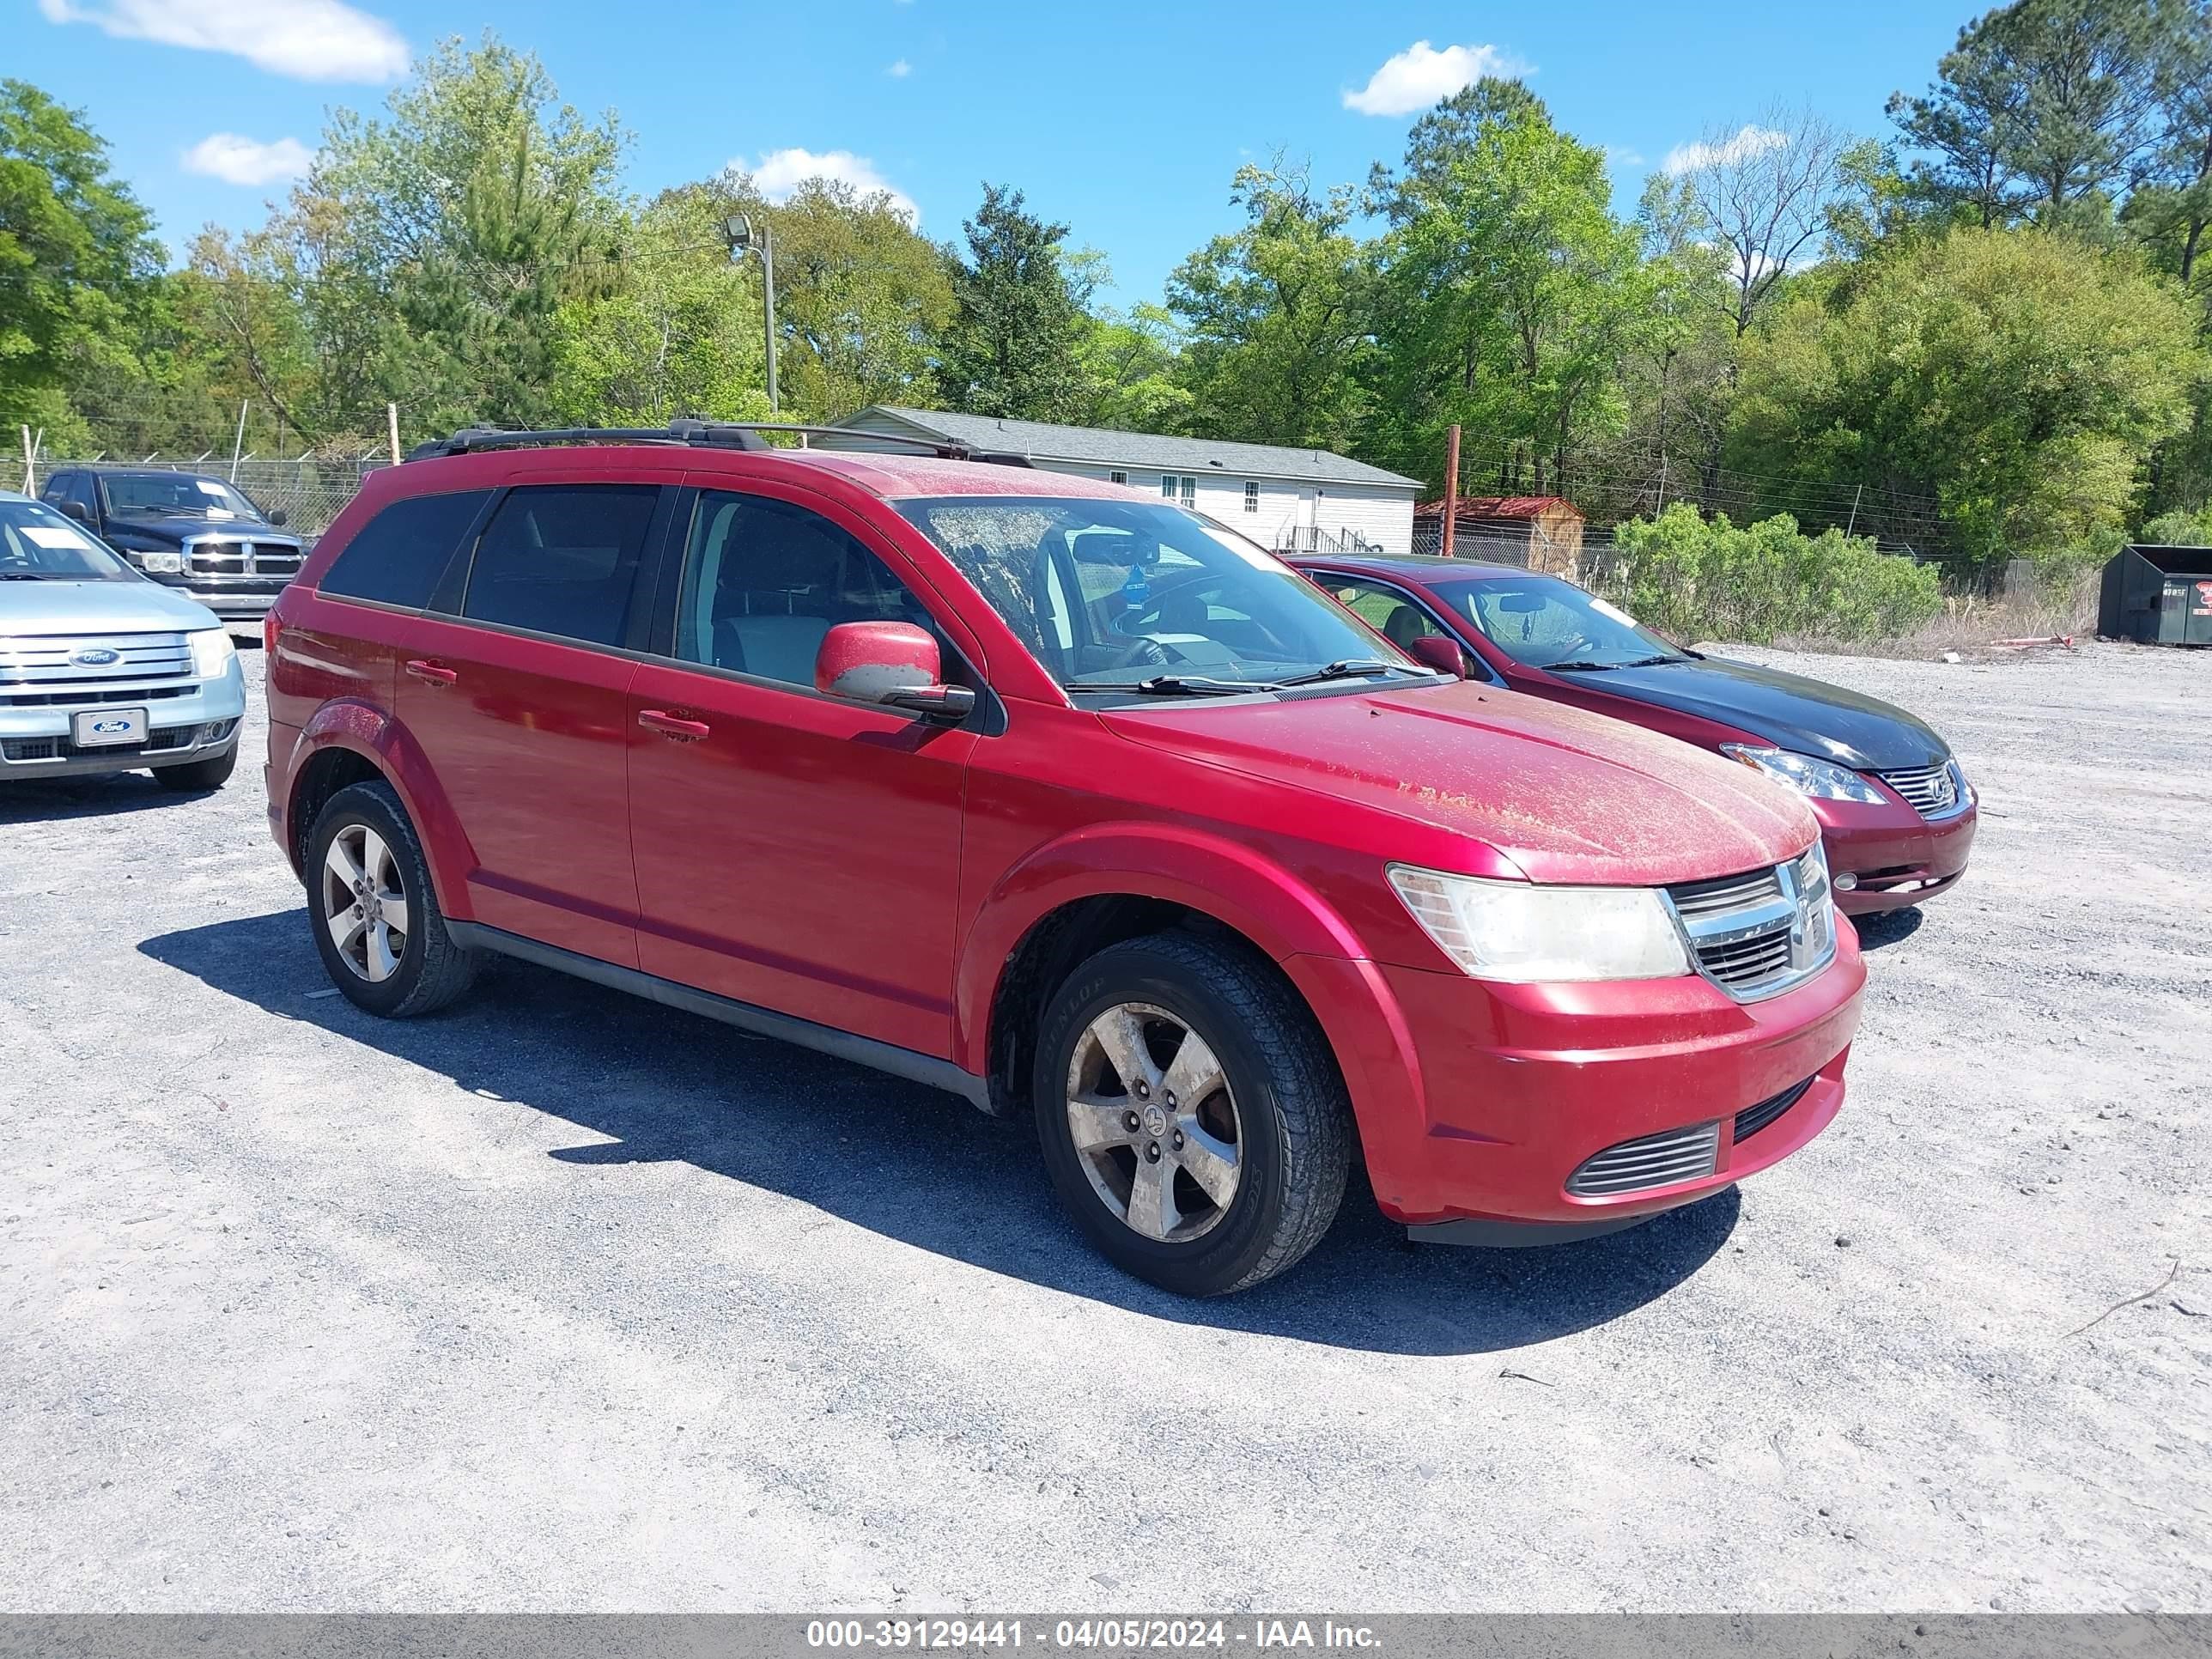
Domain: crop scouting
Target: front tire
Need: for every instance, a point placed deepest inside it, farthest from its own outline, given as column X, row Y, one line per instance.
column 195, row 776
column 1192, row 1118
column 373, row 912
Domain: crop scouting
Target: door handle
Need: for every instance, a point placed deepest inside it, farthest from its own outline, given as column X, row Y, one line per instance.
column 431, row 673
column 672, row 726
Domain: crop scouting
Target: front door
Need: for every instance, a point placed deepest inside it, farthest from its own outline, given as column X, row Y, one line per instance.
column 793, row 850
column 519, row 703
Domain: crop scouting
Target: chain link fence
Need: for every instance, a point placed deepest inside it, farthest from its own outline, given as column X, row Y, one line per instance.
column 310, row 491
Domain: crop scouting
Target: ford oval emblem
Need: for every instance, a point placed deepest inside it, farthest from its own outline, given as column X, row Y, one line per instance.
column 95, row 656
column 103, row 727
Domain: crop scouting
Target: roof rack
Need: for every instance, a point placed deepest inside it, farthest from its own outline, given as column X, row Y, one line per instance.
column 716, row 434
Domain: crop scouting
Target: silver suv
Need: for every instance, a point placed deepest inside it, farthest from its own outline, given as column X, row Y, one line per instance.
column 103, row 669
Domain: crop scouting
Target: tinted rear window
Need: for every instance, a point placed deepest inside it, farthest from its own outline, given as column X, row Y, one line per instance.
column 397, row 556
column 562, row 559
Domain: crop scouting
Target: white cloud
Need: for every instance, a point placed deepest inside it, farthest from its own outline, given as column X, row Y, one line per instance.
column 1619, row 155
column 1418, row 76
column 781, row 172
column 238, row 160
column 1748, row 141
column 899, row 70
column 308, row 40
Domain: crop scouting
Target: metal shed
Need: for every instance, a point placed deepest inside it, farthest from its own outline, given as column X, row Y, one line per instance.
column 2158, row 595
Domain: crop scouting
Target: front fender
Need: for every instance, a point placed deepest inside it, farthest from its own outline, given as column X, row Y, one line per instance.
column 1215, row 877
column 371, row 733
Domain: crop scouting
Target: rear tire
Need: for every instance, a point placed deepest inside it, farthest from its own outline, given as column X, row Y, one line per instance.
column 373, row 912
column 1220, row 1186
column 194, row 776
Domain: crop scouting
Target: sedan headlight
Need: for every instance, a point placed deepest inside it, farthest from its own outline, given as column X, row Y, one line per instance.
column 1821, row 780
column 1518, row 932
column 158, row 563
column 212, row 653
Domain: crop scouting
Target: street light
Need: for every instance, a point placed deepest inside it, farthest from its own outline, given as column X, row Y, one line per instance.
column 739, row 230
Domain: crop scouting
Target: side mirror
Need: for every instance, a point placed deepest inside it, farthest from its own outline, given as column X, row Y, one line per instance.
column 892, row 664
column 1443, row 653
column 75, row 510
column 277, row 516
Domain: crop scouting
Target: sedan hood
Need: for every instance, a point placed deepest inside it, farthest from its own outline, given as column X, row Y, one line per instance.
column 136, row 606
column 1567, row 796
column 1788, row 710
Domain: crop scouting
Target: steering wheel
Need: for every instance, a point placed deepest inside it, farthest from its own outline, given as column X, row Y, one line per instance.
column 1144, row 649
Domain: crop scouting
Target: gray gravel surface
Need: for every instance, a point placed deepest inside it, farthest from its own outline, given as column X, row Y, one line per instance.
column 566, row 1301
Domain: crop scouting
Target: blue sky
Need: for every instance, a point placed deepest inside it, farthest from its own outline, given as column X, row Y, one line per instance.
column 1126, row 120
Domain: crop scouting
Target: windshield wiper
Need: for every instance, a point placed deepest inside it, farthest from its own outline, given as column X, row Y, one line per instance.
column 1345, row 668
column 1178, row 685
column 22, row 576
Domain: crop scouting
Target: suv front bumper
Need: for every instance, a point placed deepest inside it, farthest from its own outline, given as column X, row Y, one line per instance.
column 200, row 723
column 1481, row 1101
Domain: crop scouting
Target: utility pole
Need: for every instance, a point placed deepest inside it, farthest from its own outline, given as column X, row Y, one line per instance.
column 739, row 230
column 1451, row 488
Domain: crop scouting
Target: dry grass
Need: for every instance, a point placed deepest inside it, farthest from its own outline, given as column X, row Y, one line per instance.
column 1969, row 624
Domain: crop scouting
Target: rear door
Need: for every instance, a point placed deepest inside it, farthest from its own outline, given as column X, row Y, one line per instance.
column 515, row 683
column 794, row 850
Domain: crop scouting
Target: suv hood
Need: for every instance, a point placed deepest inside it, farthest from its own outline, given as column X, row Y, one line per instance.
column 1567, row 795
column 1788, row 710
column 136, row 606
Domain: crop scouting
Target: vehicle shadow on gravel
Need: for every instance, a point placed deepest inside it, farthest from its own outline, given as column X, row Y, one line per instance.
column 64, row 798
column 922, row 1167
column 1887, row 927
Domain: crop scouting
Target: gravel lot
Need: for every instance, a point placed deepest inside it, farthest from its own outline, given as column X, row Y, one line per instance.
column 567, row 1301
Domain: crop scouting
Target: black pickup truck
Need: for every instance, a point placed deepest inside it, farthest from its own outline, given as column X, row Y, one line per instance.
column 188, row 531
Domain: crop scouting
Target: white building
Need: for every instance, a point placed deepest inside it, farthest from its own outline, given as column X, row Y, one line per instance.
column 1282, row 498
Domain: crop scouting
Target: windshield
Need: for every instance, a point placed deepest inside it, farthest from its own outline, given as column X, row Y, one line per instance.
column 1546, row 623
column 1137, row 596
column 175, row 492
column 37, row 544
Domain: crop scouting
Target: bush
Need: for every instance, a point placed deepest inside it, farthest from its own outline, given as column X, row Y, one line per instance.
column 2179, row 528
column 1696, row 579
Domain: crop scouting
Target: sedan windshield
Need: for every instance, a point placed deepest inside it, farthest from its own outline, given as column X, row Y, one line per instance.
column 1545, row 623
column 164, row 493
column 1139, row 597
column 37, row 544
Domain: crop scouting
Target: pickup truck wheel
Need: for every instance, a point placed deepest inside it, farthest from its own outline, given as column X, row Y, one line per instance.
column 195, row 775
column 374, row 912
column 1192, row 1117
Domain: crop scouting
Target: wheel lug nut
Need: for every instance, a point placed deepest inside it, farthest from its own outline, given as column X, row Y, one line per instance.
column 1152, row 1152
column 1144, row 1091
column 1129, row 1121
column 1178, row 1140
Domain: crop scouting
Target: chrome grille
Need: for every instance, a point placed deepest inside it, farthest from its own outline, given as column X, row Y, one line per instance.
column 1930, row 791
column 1752, row 1119
column 245, row 558
column 1760, row 933
column 42, row 663
column 1659, row 1160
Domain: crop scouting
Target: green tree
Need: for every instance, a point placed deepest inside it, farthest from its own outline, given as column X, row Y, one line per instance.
column 77, row 260
column 862, row 298
column 1016, row 326
column 1132, row 371
column 2021, row 377
column 1509, row 295
column 1277, row 315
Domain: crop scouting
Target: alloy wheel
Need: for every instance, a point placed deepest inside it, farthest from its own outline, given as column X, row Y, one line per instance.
column 365, row 903
column 1154, row 1122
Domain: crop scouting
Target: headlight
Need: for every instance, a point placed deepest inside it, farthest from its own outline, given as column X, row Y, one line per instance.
column 160, row 564
column 212, row 653
column 1518, row 932
column 1821, row 780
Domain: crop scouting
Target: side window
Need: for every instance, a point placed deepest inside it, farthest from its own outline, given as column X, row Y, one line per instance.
column 562, row 559
column 397, row 557
column 58, row 489
column 764, row 580
column 1390, row 612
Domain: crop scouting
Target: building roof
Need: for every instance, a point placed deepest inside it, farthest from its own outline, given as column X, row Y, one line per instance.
column 1137, row 451
column 1502, row 506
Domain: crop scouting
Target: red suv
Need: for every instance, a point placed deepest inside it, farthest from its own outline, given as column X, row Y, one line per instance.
column 1064, row 799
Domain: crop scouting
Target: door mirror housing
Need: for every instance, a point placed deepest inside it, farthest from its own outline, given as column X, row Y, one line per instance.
column 277, row 516
column 76, row 510
column 892, row 664
column 1443, row 653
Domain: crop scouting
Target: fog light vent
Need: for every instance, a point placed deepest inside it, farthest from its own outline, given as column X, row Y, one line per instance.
column 1659, row 1160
